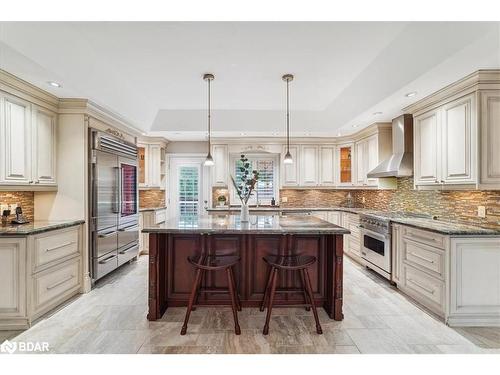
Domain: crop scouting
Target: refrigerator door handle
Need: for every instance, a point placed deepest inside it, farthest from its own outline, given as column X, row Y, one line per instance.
column 116, row 203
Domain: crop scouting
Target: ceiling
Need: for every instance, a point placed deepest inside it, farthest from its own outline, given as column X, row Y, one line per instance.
column 151, row 72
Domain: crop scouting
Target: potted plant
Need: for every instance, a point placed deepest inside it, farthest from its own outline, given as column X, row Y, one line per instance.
column 245, row 185
column 222, row 200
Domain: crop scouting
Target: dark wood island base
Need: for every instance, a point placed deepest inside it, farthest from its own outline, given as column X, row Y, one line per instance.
column 171, row 276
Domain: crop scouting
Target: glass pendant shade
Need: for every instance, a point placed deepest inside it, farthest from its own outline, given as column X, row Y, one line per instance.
column 288, row 158
column 209, row 161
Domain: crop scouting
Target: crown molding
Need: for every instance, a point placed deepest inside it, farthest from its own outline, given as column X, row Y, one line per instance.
column 361, row 134
column 483, row 79
column 87, row 107
column 25, row 90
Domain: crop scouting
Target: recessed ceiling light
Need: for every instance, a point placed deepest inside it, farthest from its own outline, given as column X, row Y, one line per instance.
column 355, row 126
column 410, row 94
column 377, row 113
column 339, row 134
column 242, row 133
column 54, row 84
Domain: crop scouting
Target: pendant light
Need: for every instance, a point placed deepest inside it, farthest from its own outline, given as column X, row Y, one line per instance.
column 209, row 161
column 288, row 157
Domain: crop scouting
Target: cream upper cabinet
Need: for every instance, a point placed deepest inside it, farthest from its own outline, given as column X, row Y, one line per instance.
column 459, row 142
column 445, row 144
column 15, row 141
column 44, row 133
column 152, row 165
column 360, row 163
column 290, row 172
column 327, row 165
column 427, row 145
column 457, row 133
column 367, row 158
column 345, row 165
column 309, row 165
column 490, row 134
column 221, row 165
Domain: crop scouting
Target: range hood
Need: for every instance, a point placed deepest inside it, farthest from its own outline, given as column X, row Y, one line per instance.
column 400, row 163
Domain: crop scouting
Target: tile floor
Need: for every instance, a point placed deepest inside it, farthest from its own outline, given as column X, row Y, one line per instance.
column 378, row 319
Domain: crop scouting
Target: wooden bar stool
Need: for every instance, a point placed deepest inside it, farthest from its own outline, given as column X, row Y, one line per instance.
column 289, row 263
column 203, row 263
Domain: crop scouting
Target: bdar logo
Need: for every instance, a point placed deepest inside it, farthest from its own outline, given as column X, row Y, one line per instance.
column 8, row 347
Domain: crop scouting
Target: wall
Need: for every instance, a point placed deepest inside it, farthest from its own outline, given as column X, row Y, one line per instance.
column 25, row 199
column 187, row 147
column 458, row 206
column 151, row 198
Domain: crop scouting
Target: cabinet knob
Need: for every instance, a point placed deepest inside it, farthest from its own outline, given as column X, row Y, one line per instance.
column 31, row 181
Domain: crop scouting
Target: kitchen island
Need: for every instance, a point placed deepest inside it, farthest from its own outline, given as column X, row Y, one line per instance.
column 171, row 276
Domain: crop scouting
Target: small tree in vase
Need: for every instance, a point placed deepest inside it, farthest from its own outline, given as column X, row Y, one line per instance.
column 245, row 185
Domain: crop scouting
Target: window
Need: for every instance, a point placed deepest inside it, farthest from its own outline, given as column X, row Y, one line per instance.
column 267, row 186
column 188, row 190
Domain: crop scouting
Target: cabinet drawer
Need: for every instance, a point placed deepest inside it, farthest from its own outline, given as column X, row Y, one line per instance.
column 427, row 290
column 354, row 228
column 423, row 256
column 425, row 237
column 55, row 284
column 160, row 216
column 354, row 246
column 53, row 246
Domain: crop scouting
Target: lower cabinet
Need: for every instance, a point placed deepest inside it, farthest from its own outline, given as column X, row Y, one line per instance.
column 38, row 273
column 474, row 282
column 352, row 244
column 456, row 278
column 149, row 218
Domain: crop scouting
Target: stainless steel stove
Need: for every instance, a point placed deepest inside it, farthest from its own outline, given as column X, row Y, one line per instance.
column 376, row 230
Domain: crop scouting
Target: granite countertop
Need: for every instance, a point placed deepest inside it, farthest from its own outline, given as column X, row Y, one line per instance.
column 36, row 226
column 443, row 227
column 424, row 222
column 230, row 224
column 146, row 209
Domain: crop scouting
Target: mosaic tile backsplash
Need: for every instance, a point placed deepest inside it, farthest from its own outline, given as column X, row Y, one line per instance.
column 25, row 199
column 151, row 198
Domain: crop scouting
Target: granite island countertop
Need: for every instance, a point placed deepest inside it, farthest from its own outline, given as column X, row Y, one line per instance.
column 36, row 226
column 231, row 224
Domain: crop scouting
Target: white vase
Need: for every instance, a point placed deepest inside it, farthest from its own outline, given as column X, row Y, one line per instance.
column 245, row 213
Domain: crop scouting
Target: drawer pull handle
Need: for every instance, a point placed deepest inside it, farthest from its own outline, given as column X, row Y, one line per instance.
column 60, row 246
column 421, row 257
column 106, row 235
column 60, row 282
column 129, row 229
column 104, row 261
column 422, row 238
column 431, row 291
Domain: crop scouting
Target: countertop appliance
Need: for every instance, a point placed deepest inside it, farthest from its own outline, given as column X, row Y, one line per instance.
column 400, row 163
column 114, row 224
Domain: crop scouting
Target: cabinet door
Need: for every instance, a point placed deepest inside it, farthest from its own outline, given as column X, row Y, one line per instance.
column 459, row 141
column 15, row 141
column 335, row 217
column 326, row 165
column 154, row 156
column 371, row 158
column 220, row 168
column 427, row 148
column 142, row 165
column 345, row 166
column 44, row 146
column 309, row 165
column 490, row 133
column 13, row 276
column 360, row 163
column 290, row 172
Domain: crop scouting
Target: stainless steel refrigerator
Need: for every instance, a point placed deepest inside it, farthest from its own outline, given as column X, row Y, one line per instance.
column 114, row 224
